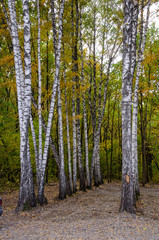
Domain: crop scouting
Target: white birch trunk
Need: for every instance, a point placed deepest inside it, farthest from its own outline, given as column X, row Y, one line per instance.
column 16, row 49
column 79, row 150
column 127, row 196
column 62, row 180
column 68, row 136
column 52, row 145
column 93, row 105
column 135, row 104
column 52, row 105
column 74, row 112
column 36, row 150
column 74, row 142
column 62, row 185
column 84, row 111
column 39, row 89
column 98, row 179
column 26, row 194
column 53, row 148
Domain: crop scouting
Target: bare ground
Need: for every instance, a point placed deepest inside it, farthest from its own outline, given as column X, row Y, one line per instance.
column 90, row 215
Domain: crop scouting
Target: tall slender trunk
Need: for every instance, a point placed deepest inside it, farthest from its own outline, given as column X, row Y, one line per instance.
column 52, row 105
column 112, row 138
column 119, row 143
column 127, row 194
column 62, row 185
column 36, row 150
column 52, row 147
column 84, row 110
column 47, row 90
column 47, row 68
column 142, row 41
column 74, row 142
column 142, row 142
column 106, row 138
column 97, row 173
column 68, row 135
column 79, row 152
column 26, row 193
column 39, row 89
column 74, row 109
column 94, row 72
column 100, row 105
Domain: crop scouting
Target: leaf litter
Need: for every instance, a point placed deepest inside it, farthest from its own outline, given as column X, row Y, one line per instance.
column 90, row 215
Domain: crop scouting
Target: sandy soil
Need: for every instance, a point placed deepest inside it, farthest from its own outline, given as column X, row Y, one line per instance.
column 90, row 215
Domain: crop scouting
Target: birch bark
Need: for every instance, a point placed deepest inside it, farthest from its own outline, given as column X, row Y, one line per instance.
column 39, row 91
column 62, row 184
column 97, row 172
column 84, row 110
column 52, row 146
column 112, row 136
column 68, row 134
column 135, row 101
column 127, row 195
column 74, row 111
column 16, row 50
column 74, row 142
column 41, row 198
column 79, row 152
column 26, row 193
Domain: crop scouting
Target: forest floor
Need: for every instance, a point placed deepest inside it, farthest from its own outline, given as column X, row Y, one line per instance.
column 90, row 215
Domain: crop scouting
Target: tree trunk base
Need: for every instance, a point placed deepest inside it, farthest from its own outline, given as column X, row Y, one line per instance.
column 75, row 190
column 83, row 186
column 88, row 186
column 127, row 209
column 27, row 205
column 41, row 200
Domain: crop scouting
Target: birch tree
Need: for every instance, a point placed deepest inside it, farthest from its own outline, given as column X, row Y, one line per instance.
column 73, row 108
column 129, row 36
column 23, row 82
column 41, row 198
column 62, row 185
column 142, row 41
column 39, row 92
column 79, row 152
column 68, row 135
column 84, row 108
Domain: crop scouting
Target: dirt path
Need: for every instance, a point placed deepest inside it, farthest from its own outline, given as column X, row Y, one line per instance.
column 90, row 215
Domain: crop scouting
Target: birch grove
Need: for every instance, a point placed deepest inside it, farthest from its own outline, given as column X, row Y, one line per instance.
column 80, row 113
